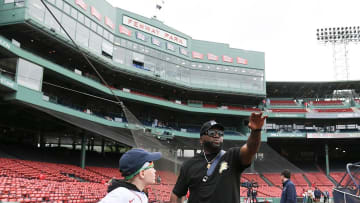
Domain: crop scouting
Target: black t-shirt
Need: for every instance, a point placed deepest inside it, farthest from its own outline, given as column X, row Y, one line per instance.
column 223, row 186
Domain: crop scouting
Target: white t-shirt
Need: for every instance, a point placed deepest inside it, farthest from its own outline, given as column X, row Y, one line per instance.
column 124, row 195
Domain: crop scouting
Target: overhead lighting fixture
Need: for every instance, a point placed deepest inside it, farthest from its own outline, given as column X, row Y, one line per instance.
column 338, row 34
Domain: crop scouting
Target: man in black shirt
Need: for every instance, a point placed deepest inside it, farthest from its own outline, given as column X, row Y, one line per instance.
column 214, row 176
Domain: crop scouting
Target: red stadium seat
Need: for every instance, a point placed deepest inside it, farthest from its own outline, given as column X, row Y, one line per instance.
column 324, row 103
column 319, row 179
column 333, row 110
column 288, row 110
column 283, row 103
column 242, row 109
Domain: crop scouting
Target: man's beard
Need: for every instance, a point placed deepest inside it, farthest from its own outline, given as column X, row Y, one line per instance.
column 211, row 147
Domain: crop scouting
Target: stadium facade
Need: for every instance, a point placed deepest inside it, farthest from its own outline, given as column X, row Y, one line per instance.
column 124, row 46
column 148, row 65
column 52, row 96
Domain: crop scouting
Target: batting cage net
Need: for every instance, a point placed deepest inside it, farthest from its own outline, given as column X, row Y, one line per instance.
column 348, row 189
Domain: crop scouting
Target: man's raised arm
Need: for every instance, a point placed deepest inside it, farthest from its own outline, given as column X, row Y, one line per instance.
column 252, row 145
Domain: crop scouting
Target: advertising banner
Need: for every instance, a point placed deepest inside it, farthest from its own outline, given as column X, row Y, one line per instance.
column 332, row 135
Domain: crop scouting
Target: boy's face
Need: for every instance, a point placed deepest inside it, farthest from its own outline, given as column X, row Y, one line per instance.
column 149, row 176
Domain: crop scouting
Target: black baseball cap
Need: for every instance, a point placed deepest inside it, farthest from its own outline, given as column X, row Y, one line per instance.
column 210, row 124
column 134, row 159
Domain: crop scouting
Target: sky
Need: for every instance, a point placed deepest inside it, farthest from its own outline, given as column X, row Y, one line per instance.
column 285, row 30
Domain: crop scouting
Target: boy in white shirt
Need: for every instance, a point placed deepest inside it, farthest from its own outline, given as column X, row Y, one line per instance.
column 137, row 166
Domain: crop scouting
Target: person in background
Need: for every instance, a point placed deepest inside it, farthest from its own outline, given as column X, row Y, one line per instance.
column 305, row 195
column 317, row 194
column 288, row 194
column 254, row 195
column 310, row 198
column 158, row 179
column 326, row 196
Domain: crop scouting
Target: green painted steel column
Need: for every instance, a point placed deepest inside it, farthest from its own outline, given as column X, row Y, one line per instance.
column 252, row 167
column 327, row 159
column 59, row 142
column 175, row 164
column 103, row 146
column 83, row 151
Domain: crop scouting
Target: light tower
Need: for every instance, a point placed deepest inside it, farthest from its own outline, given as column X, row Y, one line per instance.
column 339, row 38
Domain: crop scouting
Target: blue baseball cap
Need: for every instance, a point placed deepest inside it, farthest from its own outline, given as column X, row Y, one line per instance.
column 134, row 159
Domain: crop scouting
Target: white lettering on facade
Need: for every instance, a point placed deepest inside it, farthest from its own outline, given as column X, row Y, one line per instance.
column 154, row 31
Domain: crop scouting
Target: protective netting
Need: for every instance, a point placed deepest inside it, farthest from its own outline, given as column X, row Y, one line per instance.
column 268, row 160
column 146, row 139
column 134, row 134
column 348, row 189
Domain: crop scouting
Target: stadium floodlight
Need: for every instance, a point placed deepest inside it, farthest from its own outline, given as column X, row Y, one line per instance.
column 338, row 34
column 339, row 37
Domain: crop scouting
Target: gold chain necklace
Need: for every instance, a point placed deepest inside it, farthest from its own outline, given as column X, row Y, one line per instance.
column 210, row 162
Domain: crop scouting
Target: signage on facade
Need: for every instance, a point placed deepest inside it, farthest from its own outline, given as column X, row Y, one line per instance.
column 170, row 47
column 183, row 51
column 287, row 135
column 227, row 59
column 140, row 36
column 332, row 135
column 131, row 22
column 241, row 60
column 109, row 23
column 197, row 55
column 155, row 41
column 81, row 3
column 212, row 57
column 95, row 13
column 124, row 30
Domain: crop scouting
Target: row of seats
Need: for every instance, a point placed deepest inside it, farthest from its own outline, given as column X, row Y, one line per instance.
column 242, row 108
column 288, row 110
column 316, row 178
column 283, row 110
column 160, row 192
column 254, row 177
column 203, row 105
column 147, row 95
column 322, row 103
column 337, row 176
column 263, row 191
column 314, row 103
column 20, row 181
column 48, row 171
column 106, row 172
column 283, row 102
column 35, row 190
column 167, row 177
column 333, row 110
